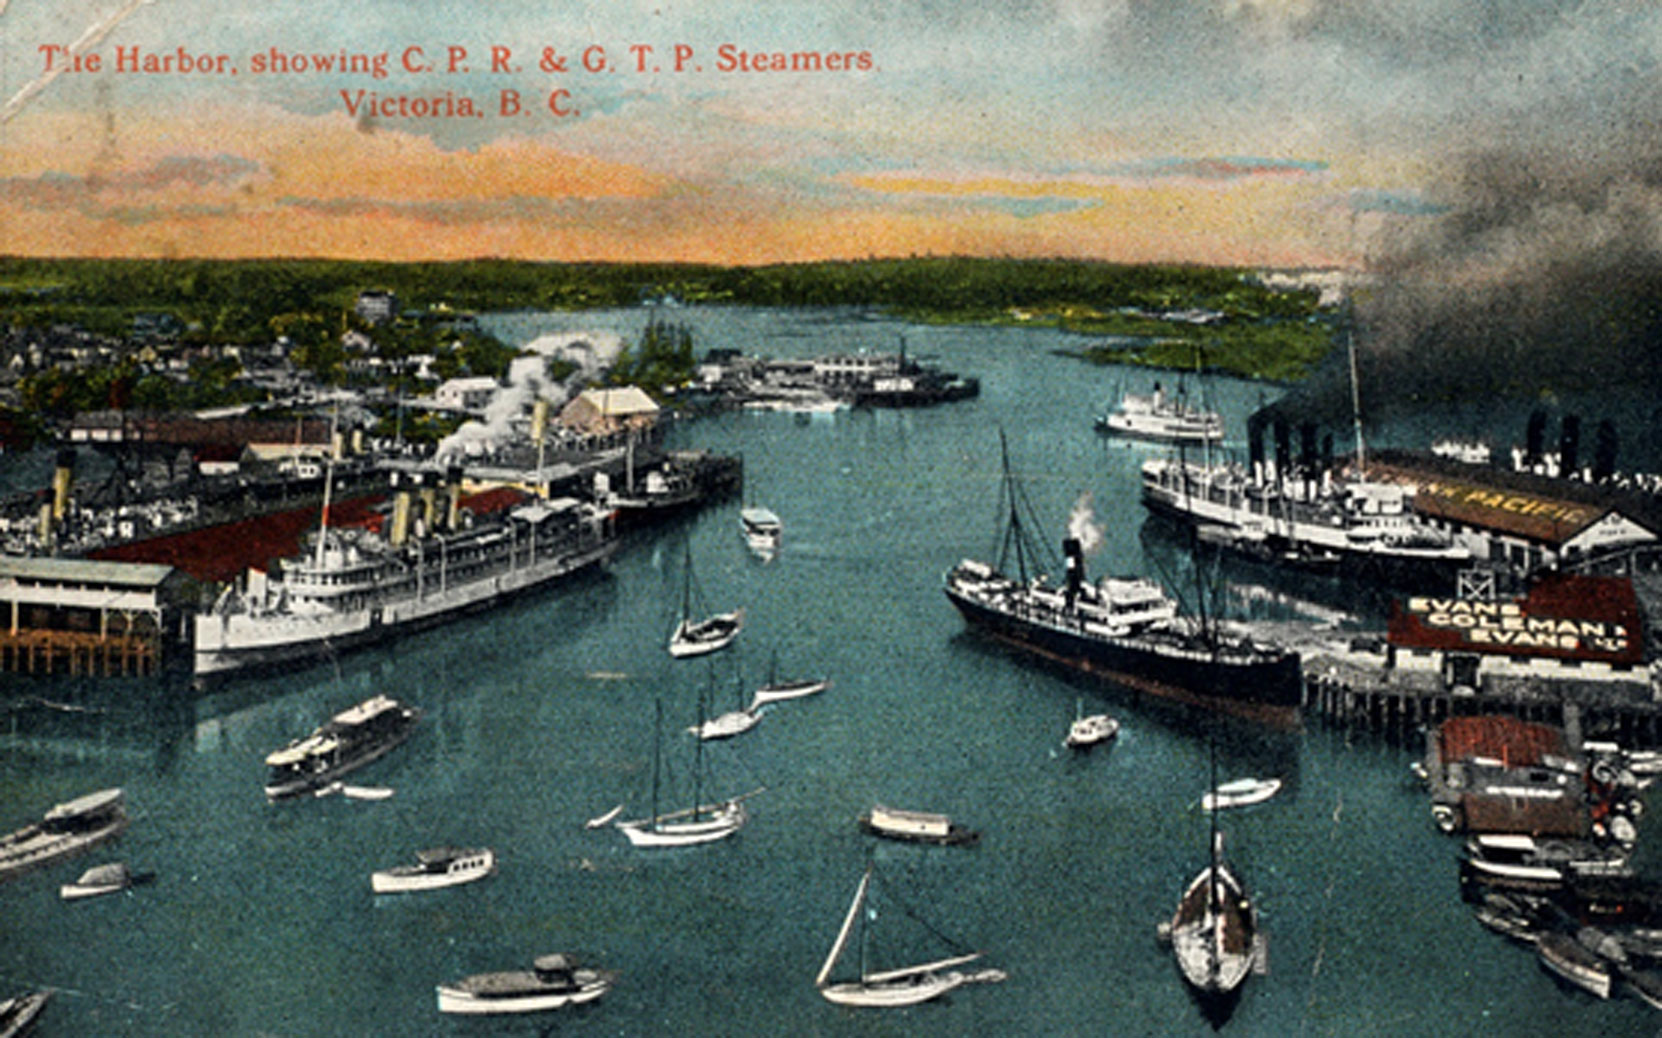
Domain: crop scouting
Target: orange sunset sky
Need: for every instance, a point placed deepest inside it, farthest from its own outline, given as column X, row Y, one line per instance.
column 1264, row 132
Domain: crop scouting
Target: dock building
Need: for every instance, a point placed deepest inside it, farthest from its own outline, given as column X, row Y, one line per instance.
column 84, row 616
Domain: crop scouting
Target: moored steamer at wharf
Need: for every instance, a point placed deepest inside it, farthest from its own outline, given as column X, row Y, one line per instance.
column 1363, row 527
column 358, row 586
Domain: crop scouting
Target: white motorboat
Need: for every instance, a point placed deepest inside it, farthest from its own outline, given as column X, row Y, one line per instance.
column 1240, row 793
column 103, row 879
column 916, row 826
column 762, row 529
column 434, row 868
column 1088, row 730
column 887, row 989
column 346, row 742
column 553, row 982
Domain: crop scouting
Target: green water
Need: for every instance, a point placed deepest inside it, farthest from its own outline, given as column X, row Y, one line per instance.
column 539, row 716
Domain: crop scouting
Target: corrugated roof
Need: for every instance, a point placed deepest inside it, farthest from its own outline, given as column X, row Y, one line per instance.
column 85, row 571
column 1518, row 744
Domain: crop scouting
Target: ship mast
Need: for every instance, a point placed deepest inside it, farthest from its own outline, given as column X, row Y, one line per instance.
column 1356, row 409
column 328, row 486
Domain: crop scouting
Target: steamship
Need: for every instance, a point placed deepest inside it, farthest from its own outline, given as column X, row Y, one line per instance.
column 1126, row 630
column 1365, row 527
column 357, row 586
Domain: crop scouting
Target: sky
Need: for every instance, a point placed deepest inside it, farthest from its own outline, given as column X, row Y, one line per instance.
column 1452, row 142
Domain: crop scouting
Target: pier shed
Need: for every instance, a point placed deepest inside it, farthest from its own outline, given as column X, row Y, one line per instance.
column 84, row 616
column 1518, row 520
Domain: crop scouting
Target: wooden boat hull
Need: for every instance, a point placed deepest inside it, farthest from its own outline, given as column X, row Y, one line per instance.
column 728, row 819
column 956, row 836
column 1244, row 796
column 18, row 1015
column 1561, row 955
column 35, row 845
column 456, row 1000
column 786, row 690
column 889, row 995
column 705, row 636
column 1215, row 946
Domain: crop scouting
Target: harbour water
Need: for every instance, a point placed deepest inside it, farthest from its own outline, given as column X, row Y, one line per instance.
column 539, row 716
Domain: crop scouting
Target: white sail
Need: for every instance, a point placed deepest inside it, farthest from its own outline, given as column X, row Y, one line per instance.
column 842, row 935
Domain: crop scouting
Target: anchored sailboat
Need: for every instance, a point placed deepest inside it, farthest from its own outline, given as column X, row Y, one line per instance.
column 700, row 823
column 777, row 691
column 697, row 637
column 1214, row 932
column 905, row 986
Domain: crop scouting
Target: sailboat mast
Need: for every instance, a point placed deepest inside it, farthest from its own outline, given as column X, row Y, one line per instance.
column 657, row 755
column 698, row 750
column 1013, row 530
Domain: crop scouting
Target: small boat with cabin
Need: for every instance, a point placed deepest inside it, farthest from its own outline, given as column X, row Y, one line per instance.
column 103, row 879
column 345, row 743
column 68, row 828
column 916, row 826
column 889, row 989
column 553, row 982
column 19, row 1013
column 1240, row 793
column 434, row 868
column 762, row 529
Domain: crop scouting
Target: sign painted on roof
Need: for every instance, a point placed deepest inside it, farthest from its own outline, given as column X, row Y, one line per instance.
column 1572, row 617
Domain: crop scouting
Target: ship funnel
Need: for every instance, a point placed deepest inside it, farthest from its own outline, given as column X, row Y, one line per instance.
column 429, row 504
column 337, row 445
column 357, row 441
column 1074, row 552
column 539, row 420
column 400, row 511
column 1569, row 444
column 452, row 520
column 45, row 523
column 62, row 480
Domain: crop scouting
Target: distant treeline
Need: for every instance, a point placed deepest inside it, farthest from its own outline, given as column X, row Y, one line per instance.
column 228, row 301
